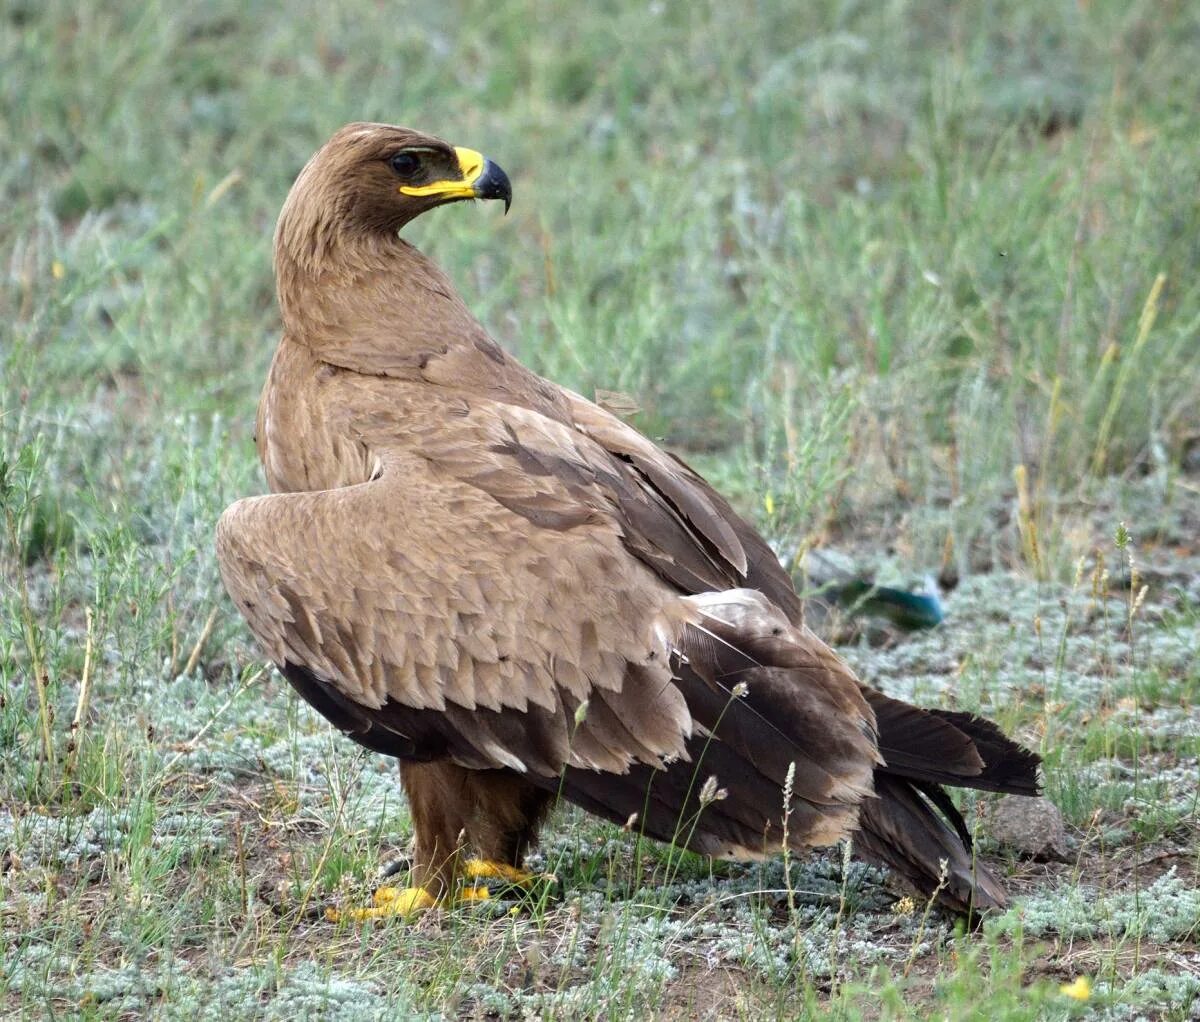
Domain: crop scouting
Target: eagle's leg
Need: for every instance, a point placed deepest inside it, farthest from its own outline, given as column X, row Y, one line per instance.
column 506, row 812
column 439, row 800
column 496, row 811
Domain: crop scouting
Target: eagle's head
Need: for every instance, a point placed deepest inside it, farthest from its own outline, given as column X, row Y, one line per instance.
column 369, row 180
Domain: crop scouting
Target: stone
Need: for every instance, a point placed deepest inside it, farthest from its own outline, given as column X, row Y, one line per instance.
column 1033, row 827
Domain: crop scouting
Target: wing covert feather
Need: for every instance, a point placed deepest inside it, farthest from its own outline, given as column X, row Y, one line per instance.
column 398, row 610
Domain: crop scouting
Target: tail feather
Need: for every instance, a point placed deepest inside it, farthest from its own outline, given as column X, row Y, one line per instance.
column 913, row 826
column 901, row 831
column 917, row 744
column 951, row 747
column 944, row 804
column 800, row 695
column 1007, row 766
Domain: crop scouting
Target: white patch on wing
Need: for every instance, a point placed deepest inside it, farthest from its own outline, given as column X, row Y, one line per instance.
column 503, row 756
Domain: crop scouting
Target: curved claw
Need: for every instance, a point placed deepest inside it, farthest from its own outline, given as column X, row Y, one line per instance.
column 389, row 902
column 483, row 869
column 408, row 902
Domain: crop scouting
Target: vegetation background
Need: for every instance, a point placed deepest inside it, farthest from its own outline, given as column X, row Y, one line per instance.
column 917, row 280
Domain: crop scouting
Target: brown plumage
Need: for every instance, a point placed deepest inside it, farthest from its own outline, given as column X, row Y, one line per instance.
column 491, row 578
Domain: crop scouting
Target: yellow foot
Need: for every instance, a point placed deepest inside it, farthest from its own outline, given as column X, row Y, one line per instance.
column 408, row 902
column 482, row 869
column 388, row 902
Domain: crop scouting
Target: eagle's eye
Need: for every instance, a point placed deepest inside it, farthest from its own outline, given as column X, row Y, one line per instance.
column 405, row 163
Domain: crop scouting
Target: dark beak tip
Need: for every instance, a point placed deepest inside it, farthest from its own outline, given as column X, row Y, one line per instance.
column 493, row 183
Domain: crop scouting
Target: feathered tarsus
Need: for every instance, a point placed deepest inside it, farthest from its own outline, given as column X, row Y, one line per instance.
column 491, row 578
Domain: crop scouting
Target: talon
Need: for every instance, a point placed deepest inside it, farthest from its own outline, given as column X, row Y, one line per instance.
column 483, row 869
column 388, row 902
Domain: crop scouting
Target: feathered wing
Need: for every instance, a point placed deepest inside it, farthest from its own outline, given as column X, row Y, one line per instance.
column 467, row 602
column 750, row 562
column 646, row 740
column 443, row 635
column 911, row 825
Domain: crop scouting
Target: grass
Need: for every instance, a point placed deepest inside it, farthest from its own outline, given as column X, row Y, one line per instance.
column 917, row 280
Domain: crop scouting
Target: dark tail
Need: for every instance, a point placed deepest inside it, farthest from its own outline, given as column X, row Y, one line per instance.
column 913, row 827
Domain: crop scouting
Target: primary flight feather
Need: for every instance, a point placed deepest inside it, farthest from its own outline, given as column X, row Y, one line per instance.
column 489, row 577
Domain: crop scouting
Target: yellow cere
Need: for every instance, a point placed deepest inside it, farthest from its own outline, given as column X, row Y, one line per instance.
column 470, row 163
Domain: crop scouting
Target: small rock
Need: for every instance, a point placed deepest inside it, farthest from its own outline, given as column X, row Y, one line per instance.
column 1031, row 826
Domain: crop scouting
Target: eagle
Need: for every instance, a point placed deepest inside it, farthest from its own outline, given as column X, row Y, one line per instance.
column 520, row 597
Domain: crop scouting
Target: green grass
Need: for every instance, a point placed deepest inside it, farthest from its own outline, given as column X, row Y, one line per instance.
column 914, row 279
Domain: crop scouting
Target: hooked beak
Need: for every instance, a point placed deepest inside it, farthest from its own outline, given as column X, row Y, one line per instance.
column 493, row 183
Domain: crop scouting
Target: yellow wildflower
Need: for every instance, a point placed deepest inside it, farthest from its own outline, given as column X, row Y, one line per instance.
column 1079, row 989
